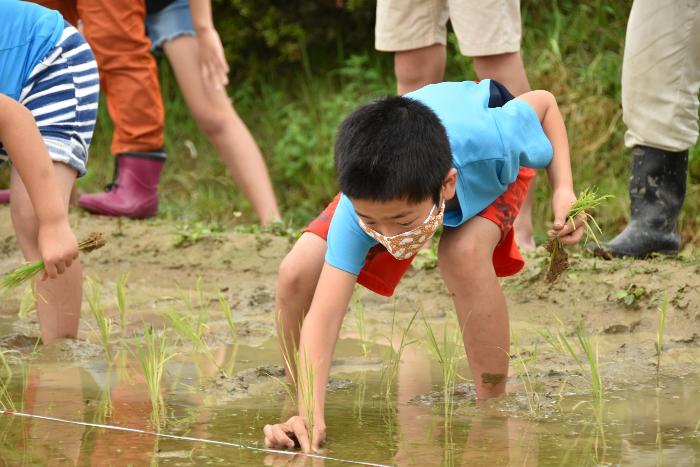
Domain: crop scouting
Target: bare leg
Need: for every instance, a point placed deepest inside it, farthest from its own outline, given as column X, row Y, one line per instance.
column 465, row 258
column 508, row 69
column 296, row 283
column 57, row 300
column 419, row 67
column 217, row 118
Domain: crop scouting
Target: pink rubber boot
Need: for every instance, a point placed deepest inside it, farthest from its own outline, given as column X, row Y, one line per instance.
column 4, row 196
column 134, row 192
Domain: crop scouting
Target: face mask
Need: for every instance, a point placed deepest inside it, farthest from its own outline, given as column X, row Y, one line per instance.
column 407, row 244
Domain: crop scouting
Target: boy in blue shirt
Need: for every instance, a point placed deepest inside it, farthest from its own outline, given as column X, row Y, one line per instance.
column 458, row 154
column 49, row 89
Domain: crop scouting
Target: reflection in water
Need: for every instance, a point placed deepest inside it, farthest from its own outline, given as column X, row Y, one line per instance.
column 642, row 426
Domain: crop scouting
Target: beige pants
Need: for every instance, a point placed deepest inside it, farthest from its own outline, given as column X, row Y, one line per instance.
column 483, row 27
column 661, row 74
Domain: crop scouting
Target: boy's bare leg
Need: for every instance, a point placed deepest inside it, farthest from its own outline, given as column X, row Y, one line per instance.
column 508, row 69
column 57, row 300
column 216, row 117
column 296, row 283
column 419, row 67
column 465, row 259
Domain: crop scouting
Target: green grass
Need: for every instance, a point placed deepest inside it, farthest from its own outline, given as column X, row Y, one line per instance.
column 121, row 302
column 93, row 296
column 660, row 328
column 390, row 370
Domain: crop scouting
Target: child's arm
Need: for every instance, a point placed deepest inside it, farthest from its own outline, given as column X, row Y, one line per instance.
column 559, row 170
column 319, row 335
column 211, row 52
column 22, row 141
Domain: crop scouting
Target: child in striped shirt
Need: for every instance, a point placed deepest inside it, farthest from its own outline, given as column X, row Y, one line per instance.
column 49, row 89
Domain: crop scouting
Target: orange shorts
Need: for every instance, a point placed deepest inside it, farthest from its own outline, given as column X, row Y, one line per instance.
column 382, row 272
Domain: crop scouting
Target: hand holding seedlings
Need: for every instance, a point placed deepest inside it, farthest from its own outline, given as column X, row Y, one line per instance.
column 52, row 250
column 569, row 228
column 294, row 434
column 58, row 247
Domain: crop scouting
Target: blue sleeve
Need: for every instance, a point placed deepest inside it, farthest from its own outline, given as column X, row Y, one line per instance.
column 348, row 244
column 524, row 141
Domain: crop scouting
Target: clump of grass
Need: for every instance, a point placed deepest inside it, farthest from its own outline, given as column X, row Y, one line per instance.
column 305, row 390
column 448, row 353
column 153, row 354
column 30, row 270
column 558, row 257
column 6, row 402
column 660, row 328
column 104, row 324
column 391, row 369
column 28, row 302
column 121, row 302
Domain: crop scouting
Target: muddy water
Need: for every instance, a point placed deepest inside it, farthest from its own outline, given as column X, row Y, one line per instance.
column 549, row 416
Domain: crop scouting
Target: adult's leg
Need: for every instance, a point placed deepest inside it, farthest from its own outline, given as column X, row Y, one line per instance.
column 660, row 83
column 129, row 79
column 296, row 283
column 216, row 117
column 419, row 67
column 57, row 300
column 465, row 258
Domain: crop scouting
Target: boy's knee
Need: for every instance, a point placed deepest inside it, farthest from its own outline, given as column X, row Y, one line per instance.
column 465, row 255
column 210, row 122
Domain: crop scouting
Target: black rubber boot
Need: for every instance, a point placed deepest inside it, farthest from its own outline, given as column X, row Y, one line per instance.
column 657, row 191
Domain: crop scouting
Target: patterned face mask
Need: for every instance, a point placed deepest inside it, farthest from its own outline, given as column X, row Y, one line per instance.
column 407, row 244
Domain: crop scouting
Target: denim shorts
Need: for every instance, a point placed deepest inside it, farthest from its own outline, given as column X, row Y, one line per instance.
column 172, row 21
column 62, row 93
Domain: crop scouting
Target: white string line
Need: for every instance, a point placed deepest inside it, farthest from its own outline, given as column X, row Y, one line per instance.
column 188, row 438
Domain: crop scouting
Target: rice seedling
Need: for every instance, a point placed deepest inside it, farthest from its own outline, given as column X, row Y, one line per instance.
column 391, row 369
column 153, row 354
column 359, row 309
column 523, row 367
column 305, row 390
column 589, row 363
column 661, row 325
column 30, row 270
column 228, row 314
column 558, row 257
column 6, row 401
column 121, row 302
column 104, row 324
column 193, row 334
column 448, row 353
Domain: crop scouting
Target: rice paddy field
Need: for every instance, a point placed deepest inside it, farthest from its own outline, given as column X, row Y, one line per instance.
column 177, row 337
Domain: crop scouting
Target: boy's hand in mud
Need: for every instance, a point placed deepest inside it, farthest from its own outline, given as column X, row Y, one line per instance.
column 294, row 433
column 58, row 248
column 564, row 230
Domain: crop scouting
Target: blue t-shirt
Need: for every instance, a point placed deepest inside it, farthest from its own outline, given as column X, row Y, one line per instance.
column 27, row 33
column 490, row 140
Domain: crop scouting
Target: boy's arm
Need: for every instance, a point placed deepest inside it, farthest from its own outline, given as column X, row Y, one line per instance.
column 211, row 52
column 23, row 142
column 559, row 171
column 319, row 335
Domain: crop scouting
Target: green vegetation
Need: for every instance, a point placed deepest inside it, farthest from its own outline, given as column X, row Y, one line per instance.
column 294, row 107
column 93, row 296
column 660, row 328
column 153, row 354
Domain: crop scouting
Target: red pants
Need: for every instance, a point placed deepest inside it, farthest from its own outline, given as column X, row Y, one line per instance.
column 116, row 33
column 382, row 272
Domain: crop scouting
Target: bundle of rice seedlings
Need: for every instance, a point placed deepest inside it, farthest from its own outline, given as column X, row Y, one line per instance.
column 28, row 271
column 558, row 257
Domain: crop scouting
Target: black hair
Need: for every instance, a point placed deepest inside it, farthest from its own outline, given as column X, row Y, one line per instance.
column 392, row 148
